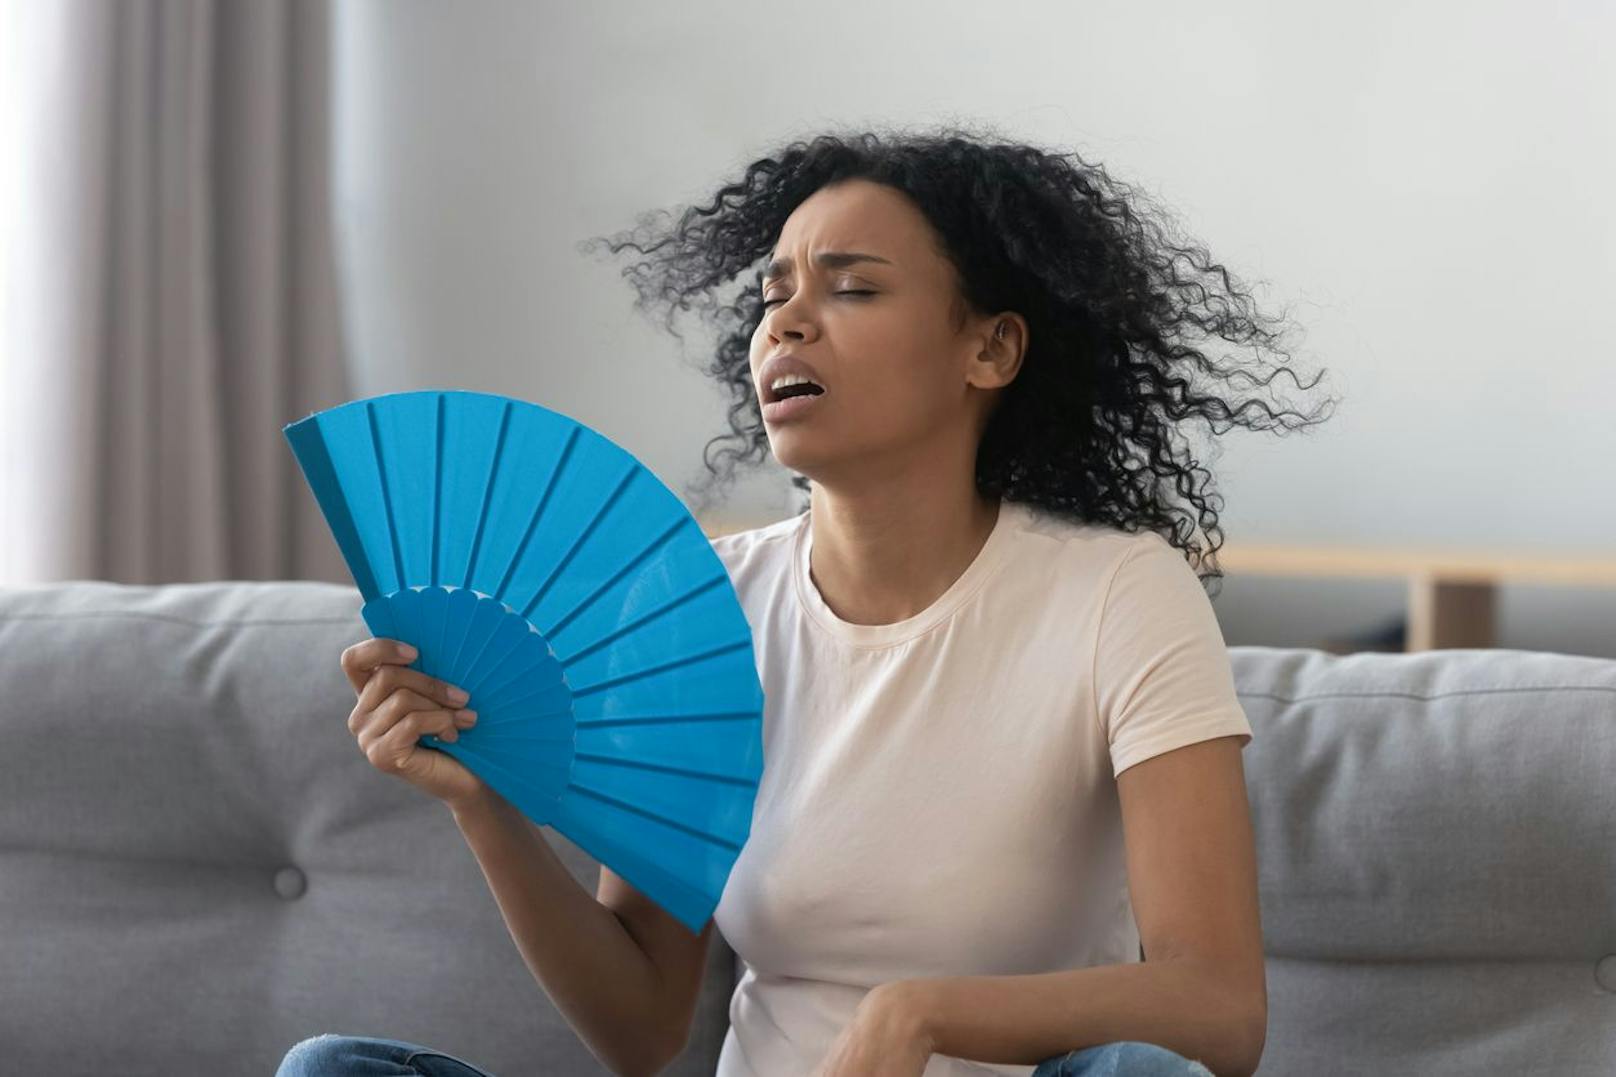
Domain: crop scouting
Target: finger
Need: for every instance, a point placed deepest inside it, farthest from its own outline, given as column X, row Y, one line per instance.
column 397, row 709
column 396, row 742
column 447, row 694
column 366, row 723
column 363, row 658
column 388, row 745
column 389, row 678
column 370, row 722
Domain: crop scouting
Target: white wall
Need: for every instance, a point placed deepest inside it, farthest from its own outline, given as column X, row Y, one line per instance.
column 1423, row 182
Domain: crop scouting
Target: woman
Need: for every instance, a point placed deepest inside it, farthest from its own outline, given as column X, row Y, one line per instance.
column 1002, row 826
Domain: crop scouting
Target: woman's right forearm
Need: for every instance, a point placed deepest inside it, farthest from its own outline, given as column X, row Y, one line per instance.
column 594, row 971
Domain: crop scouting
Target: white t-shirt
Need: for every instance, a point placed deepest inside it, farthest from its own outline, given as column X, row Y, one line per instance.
column 938, row 795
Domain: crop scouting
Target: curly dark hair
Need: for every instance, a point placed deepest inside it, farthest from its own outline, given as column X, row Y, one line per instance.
column 1089, row 427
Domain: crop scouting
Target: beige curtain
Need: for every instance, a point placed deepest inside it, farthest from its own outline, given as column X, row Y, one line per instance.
column 171, row 299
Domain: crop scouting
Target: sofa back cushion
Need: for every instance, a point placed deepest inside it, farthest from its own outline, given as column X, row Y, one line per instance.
column 1436, row 843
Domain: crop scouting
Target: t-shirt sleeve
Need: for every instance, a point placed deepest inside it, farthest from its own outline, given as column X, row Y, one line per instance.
column 1161, row 673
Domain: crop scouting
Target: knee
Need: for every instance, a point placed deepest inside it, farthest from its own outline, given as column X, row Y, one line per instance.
column 319, row 1056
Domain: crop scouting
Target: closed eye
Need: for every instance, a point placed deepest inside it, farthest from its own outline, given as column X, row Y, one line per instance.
column 865, row 291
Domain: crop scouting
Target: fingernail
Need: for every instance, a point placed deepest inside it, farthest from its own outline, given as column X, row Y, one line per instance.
column 407, row 651
column 469, row 717
column 459, row 695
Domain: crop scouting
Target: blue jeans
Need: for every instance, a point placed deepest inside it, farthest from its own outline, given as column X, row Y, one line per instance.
column 360, row 1056
column 1121, row 1058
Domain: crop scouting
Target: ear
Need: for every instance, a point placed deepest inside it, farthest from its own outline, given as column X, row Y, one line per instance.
column 999, row 360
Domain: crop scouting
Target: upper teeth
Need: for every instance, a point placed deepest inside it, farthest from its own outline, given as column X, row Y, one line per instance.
column 792, row 379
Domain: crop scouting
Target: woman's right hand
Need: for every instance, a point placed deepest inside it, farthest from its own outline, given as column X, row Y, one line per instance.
column 397, row 705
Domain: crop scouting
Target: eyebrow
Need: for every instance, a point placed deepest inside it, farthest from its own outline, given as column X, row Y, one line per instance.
column 826, row 259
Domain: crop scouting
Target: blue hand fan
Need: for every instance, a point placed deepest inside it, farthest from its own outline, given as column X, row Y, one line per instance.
column 545, row 570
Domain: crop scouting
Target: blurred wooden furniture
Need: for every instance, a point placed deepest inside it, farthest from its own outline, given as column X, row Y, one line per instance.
column 1451, row 594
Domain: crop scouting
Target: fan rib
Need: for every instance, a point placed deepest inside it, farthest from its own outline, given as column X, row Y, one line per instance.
column 511, row 673
column 465, row 670
column 663, row 719
column 525, row 701
column 478, row 657
column 538, row 511
column 439, row 605
column 682, row 772
column 629, row 565
column 491, row 688
column 437, row 487
column 460, row 645
column 689, row 660
column 387, row 496
column 577, row 543
column 635, row 625
column 488, row 492
column 702, row 835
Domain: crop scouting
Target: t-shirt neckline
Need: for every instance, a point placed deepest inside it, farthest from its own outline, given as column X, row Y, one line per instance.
column 988, row 558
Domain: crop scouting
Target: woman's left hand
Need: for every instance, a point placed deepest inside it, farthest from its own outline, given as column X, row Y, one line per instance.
column 884, row 1038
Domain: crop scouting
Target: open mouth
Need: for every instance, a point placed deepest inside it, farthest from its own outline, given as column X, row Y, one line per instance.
column 790, row 404
column 788, row 392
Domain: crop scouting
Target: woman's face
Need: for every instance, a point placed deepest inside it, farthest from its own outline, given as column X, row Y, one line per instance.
column 900, row 384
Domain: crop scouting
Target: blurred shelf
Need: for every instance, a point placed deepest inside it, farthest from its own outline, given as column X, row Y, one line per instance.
column 1450, row 566
column 1452, row 594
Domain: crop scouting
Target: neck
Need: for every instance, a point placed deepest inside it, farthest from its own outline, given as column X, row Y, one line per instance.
column 877, row 558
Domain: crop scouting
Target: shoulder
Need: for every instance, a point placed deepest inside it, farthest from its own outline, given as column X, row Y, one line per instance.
column 1146, row 554
column 747, row 552
column 1061, row 543
column 1100, row 566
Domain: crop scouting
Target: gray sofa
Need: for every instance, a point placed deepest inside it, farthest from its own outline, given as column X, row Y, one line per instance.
column 198, row 867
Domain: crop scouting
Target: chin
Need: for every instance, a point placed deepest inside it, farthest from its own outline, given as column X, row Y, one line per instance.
column 793, row 458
